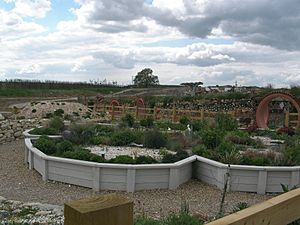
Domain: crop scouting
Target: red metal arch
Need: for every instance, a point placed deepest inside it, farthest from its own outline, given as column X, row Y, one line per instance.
column 262, row 110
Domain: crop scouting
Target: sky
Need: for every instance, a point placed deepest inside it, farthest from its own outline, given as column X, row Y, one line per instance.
column 251, row 42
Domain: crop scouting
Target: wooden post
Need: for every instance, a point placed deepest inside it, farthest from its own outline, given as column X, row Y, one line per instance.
column 154, row 113
column 110, row 209
column 174, row 114
column 202, row 114
column 287, row 119
column 137, row 112
column 124, row 110
column 113, row 113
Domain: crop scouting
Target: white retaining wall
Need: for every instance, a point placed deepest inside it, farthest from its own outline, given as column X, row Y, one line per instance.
column 130, row 178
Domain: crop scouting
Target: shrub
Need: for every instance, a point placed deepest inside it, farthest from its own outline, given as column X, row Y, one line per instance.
column 201, row 150
column 56, row 123
column 225, row 122
column 184, row 120
column 49, row 115
column 183, row 218
column 171, row 158
column 97, row 158
column 125, row 137
column 79, row 153
column 46, row 145
column 292, row 154
column 239, row 137
column 148, row 122
column 154, row 139
column 211, row 138
column 101, row 130
column 64, row 146
column 44, row 131
column 255, row 158
column 143, row 220
column 145, row 160
column 286, row 130
column 128, row 120
column 123, row 159
column 200, row 126
column 100, row 140
column 59, row 112
column 80, row 133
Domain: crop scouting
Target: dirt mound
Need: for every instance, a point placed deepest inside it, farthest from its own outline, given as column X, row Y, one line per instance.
column 47, row 108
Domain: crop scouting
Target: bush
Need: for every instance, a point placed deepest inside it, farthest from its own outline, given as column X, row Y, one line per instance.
column 286, row 130
column 211, row 138
column 154, row 139
column 148, row 122
column 56, row 123
column 44, row 131
column 183, row 218
column 100, row 140
column 225, row 122
column 292, row 154
column 79, row 153
column 64, row 146
column 200, row 126
column 171, row 158
column 80, row 134
column 201, row 150
column 101, row 130
column 184, row 120
column 239, row 137
column 123, row 159
column 142, row 220
column 145, row 160
column 125, row 137
column 256, row 159
column 46, row 145
column 59, row 112
column 128, row 120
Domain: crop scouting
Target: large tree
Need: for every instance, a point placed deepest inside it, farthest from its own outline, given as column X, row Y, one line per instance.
column 145, row 78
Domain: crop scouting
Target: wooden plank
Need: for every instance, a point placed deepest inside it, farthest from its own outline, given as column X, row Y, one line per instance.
column 110, row 209
column 280, row 210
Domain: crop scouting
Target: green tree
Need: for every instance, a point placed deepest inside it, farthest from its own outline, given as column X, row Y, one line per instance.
column 145, row 78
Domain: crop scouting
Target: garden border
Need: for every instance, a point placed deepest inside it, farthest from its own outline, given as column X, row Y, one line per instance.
column 130, row 178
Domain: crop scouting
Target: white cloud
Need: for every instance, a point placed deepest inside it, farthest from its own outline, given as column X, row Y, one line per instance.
column 32, row 8
column 30, row 69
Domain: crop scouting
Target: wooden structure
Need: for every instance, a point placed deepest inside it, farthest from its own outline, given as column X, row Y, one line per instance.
column 262, row 111
column 110, row 209
column 280, row 210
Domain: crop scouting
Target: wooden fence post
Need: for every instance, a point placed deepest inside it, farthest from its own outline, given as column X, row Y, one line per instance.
column 202, row 114
column 287, row 119
column 137, row 112
column 174, row 114
column 113, row 113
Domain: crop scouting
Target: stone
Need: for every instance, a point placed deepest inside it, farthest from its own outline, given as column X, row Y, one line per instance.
column 2, row 199
column 4, row 214
column 18, row 134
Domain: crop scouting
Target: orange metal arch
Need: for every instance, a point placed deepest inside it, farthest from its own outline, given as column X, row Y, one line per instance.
column 262, row 110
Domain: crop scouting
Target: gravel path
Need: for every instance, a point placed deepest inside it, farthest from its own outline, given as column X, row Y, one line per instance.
column 17, row 182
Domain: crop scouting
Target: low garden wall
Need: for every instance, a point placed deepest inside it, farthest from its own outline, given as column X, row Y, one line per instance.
column 130, row 178
column 11, row 130
column 105, row 176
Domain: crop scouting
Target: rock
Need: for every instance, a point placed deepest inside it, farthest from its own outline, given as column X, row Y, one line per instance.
column 3, row 214
column 42, row 213
column 2, row 117
column 18, row 134
column 2, row 199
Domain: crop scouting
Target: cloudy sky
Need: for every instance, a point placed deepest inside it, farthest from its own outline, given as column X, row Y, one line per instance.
column 253, row 42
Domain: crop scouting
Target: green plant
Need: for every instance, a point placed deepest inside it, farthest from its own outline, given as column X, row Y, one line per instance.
column 101, row 130
column 100, row 140
column 201, row 150
column 80, row 133
column 200, row 126
column 59, row 112
column 145, row 160
column 56, row 123
column 64, row 146
column 154, row 139
column 123, row 159
column 128, row 120
column 44, row 131
column 225, row 122
column 184, row 120
column 182, row 218
column 240, row 206
column 211, row 138
column 143, row 220
column 125, row 137
column 46, row 145
column 171, row 158
column 148, row 122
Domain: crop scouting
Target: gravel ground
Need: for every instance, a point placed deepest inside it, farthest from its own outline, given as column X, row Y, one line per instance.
column 17, row 182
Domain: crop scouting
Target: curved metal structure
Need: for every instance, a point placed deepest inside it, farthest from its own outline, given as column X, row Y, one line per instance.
column 262, row 110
